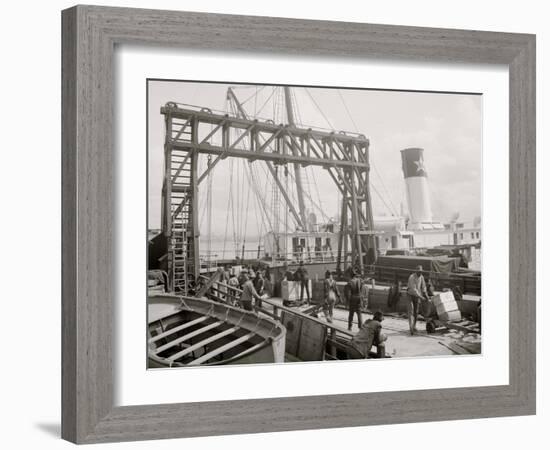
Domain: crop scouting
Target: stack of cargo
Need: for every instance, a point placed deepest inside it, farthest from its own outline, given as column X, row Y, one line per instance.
column 290, row 290
column 446, row 306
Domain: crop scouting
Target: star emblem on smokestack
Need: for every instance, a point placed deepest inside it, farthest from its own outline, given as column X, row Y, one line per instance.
column 420, row 165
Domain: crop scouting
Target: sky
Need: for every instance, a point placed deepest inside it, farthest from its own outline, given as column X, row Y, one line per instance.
column 447, row 126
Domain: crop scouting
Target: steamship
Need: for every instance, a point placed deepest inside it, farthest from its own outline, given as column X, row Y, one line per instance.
column 195, row 313
column 405, row 234
column 289, row 232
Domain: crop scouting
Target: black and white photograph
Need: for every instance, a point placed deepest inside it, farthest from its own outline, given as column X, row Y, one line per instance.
column 300, row 223
column 266, row 225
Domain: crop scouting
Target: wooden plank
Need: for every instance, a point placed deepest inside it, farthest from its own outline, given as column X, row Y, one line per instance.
column 454, row 348
column 187, row 336
column 312, row 341
column 193, row 347
column 455, row 326
column 209, row 282
column 178, row 328
column 293, row 325
column 222, row 349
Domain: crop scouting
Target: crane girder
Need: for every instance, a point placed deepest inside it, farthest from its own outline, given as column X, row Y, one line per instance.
column 280, row 144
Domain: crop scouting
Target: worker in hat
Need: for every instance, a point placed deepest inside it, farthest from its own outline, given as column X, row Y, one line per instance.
column 353, row 297
column 371, row 334
column 249, row 293
column 416, row 292
column 330, row 297
column 302, row 276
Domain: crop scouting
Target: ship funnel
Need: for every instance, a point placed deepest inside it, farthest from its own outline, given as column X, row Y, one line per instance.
column 416, row 180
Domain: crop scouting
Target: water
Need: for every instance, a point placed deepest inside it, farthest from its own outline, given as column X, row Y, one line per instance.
column 218, row 251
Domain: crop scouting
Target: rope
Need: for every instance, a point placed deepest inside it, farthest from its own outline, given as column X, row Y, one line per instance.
column 265, row 103
column 382, row 198
column 393, row 210
column 319, row 109
column 255, row 95
column 185, row 305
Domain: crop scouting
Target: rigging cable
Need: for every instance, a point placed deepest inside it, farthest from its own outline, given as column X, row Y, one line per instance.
column 318, row 108
column 255, row 95
column 393, row 210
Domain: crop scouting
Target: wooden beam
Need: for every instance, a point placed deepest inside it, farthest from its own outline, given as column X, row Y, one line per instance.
column 195, row 206
column 179, row 207
column 297, row 218
column 269, row 127
column 202, row 343
column 180, row 168
column 265, row 156
column 210, row 281
column 187, row 336
column 181, row 130
column 355, row 218
column 160, row 336
column 209, row 135
column 222, row 349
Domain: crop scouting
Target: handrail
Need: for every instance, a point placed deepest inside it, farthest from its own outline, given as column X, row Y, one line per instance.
column 314, row 319
column 430, row 272
column 277, row 306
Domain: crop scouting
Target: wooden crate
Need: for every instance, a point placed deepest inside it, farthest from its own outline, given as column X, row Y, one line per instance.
column 450, row 316
column 290, row 290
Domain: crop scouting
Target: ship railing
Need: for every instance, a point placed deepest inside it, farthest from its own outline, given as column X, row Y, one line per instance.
column 313, row 256
column 224, row 293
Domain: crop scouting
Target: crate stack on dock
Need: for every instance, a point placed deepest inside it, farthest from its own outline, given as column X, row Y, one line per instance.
column 446, row 306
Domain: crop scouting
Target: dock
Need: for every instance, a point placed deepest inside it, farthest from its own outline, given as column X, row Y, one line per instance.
column 400, row 343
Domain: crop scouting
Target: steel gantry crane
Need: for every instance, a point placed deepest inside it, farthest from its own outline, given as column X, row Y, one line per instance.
column 193, row 131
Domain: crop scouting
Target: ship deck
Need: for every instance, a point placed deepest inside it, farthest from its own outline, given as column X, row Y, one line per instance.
column 400, row 343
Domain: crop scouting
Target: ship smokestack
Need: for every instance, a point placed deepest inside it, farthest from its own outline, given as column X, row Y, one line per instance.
column 416, row 180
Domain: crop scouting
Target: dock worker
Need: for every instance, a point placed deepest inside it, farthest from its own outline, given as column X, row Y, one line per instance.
column 233, row 284
column 417, row 292
column 242, row 278
column 371, row 334
column 462, row 261
column 224, row 278
column 348, row 273
column 288, row 274
column 249, row 293
column 331, row 294
column 302, row 276
column 259, row 285
column 364, row 296
column 353, row 297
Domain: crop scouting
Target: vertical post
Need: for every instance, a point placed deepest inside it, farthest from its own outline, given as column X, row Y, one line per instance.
column 297, row 168
column 357, row 253
column 366, row 194
column 345, row 229
column 332, row 346
column 195, row 200
column 341, row 259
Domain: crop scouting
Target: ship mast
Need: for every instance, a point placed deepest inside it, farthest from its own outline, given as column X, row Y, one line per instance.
column 297, row 168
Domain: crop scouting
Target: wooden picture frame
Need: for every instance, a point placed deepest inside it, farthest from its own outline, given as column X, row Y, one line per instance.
column 90, row 34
